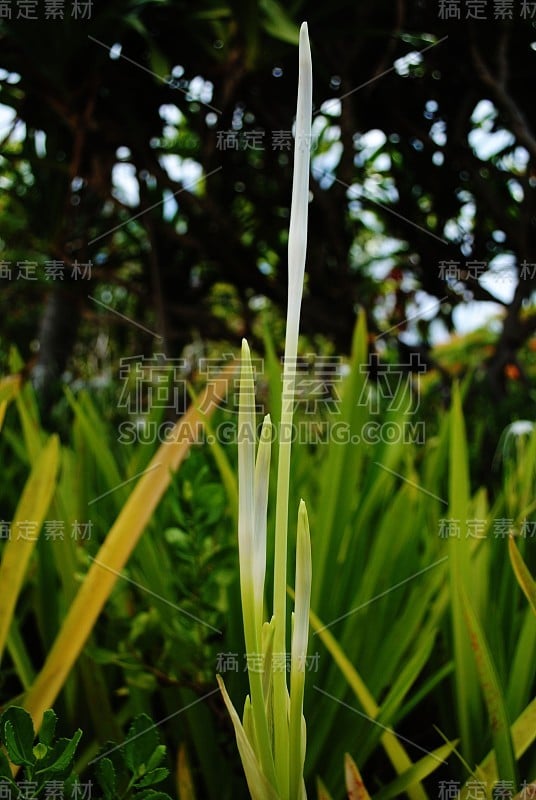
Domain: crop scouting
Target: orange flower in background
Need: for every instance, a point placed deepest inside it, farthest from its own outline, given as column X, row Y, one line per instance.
column 512, row 372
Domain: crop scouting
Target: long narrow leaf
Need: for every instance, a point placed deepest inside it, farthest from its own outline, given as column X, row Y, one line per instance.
column 32, row 508
column 523, row 735
column 524, row 578
column 493, row 695
column 259, row 786
column 418, row 772
column 395, row 751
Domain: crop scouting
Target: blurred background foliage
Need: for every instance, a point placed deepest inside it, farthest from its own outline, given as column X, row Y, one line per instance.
column 146, row 171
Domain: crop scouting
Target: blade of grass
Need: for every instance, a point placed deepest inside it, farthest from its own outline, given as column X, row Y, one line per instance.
column 322, row 792
column 341, row 468
column 395, row 751
column 466, row 680
column 524, row 578
column 493, row 694
column 19, row 655
column 27, row 410
column 9, row 389
column 185, row 783
column 32, row 506
column 522, row 670
column 418, row 772
column 523, row 733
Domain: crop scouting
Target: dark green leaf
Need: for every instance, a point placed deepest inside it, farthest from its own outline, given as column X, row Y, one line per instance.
column 48, row 727
column 105, row 774
column 17, row 731
column 142, row 741
column 5, row 769
column 149, row 794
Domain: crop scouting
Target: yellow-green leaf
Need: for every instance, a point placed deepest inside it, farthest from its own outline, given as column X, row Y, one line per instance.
column 322, row 792
column 395, row 751
column 185, row 783
column 258, row 784
column 418, row 772
column 523, row 735
column 493, row 693
column 32, row 507
column 524, row 578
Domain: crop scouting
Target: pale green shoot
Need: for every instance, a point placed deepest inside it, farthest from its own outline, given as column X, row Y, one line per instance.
column 271, row 736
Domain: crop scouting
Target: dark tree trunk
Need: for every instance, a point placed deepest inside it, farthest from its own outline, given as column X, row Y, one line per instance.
column 57, row 335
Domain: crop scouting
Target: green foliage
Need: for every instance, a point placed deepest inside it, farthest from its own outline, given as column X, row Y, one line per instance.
column 381, row 583
column 131, row 770
column 122, row 771
column 47, row 760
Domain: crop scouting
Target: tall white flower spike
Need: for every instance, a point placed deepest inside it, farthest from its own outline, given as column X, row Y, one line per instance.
column 297, row 244
column 271, row 737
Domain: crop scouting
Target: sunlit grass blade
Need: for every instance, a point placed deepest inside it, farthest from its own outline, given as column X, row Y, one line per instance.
column 9, row 389
column 524, row 578
column 95, row 437
column 26, row 403
column 523, row 733
column 31, row 509
column 185, row 781
column 321, row 791
column 461, row 576
column 408, row 674
column 114, row 554
column 493, row 694
column 418, row 772
column 394, row 750
column 340, row 471
column 16, row 647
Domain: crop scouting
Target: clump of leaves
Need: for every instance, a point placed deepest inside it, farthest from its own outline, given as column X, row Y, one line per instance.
column 122, row 772
column 43, row 762
column 131, row 770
